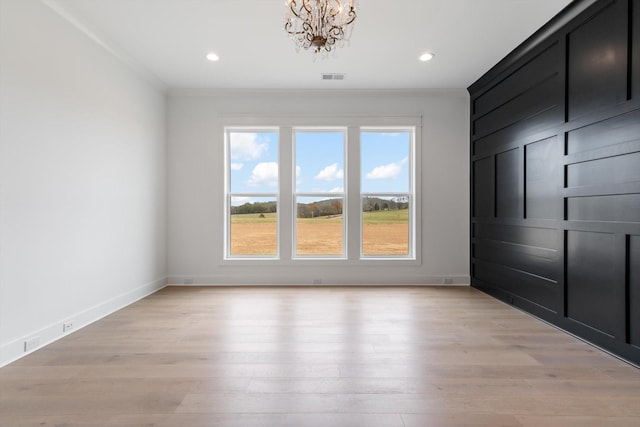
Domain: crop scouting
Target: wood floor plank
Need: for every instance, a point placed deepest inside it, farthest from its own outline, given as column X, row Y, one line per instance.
column 460, row 420
column 303, row 356
column 578, row 421
column 283, row 420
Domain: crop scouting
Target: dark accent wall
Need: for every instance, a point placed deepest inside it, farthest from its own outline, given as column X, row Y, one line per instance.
column 555, row 175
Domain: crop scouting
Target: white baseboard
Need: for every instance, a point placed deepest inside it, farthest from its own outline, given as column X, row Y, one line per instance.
column 188, row 280
column 14, row 350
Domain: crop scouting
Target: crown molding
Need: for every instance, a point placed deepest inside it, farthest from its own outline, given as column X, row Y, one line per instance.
column 320, row 93
column 107, row 45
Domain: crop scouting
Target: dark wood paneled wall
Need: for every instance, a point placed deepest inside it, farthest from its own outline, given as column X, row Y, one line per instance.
column 555, row 165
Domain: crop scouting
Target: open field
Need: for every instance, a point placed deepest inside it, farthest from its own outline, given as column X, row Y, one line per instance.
column 386, row 217
column 252, row 235
column 319, row 237
column 384, row 233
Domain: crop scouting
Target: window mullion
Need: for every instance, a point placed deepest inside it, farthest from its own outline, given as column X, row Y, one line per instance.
column 286, row 218
column 352, row 193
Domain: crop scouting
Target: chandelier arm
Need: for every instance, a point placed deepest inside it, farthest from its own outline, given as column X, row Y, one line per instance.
column 335, row 10
column 292, row 5
column 352, row 15
column 307, row 29
column 288, row 27
column 306, row 6
column 335, row 32
column 319, row 24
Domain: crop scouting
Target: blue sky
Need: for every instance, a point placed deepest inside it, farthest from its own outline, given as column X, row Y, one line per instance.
column 319, row 162
column 254, row 162
column 384, row 162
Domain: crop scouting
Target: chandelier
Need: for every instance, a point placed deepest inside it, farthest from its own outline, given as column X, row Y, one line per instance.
column 319, row 24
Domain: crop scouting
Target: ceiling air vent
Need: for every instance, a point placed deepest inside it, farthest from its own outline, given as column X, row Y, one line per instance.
column 333, row 76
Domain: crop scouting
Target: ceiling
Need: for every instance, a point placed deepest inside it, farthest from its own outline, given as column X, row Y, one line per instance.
column 170, row 38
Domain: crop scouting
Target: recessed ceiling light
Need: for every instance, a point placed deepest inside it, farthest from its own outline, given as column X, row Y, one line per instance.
column 212, row 56
column 427, row 56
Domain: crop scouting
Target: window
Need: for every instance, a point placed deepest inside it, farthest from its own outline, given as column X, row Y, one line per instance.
column 252, row 193
column 345, row 192
column 385, row 161
column 319, row 194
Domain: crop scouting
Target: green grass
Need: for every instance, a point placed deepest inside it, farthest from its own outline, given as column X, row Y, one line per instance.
column 322, row 220
column 386, row 217
column 375, row 217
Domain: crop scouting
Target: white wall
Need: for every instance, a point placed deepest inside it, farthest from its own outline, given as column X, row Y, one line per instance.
column 82, row 179
column 195, row 167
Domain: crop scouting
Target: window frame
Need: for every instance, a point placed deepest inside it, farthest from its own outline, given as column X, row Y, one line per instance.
column 229, row 194
column 295, row 194
column 410, row 194
column 352, row 238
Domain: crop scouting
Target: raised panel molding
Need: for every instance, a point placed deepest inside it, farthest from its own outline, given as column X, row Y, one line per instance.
column 613, row 208
column 609, row 170
column 483, row 188
column 597, row 62
column 555, row 154
column 590, row 290
column 606, row 133
column 633, row 318
column 541, row 179
column 634, row 89
column 508, row 197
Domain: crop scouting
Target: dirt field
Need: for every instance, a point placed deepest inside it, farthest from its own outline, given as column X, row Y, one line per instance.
column 385, row 239
column 253, row 239
column 319, row 238
column 384, row 233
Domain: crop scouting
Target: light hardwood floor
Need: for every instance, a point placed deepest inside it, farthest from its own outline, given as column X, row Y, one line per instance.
column 307, row 357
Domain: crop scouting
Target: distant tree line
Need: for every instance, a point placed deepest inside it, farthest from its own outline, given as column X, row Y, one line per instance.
column 256, row 207
column 324, row 207
column 372, row 204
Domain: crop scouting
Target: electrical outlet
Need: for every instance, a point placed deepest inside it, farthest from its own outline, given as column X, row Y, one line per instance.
column 317, row 281
column 67, row 326
column 447, row 281
column 188, row 281
column 31, row 344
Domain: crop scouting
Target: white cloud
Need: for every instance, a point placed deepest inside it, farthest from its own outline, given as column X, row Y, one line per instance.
column 247, row 146
column 265, row 173
column 337, row 190
column 391, row 170
column 236, row 166
column 237, row 201
column 298, row 172
column 330, row 173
